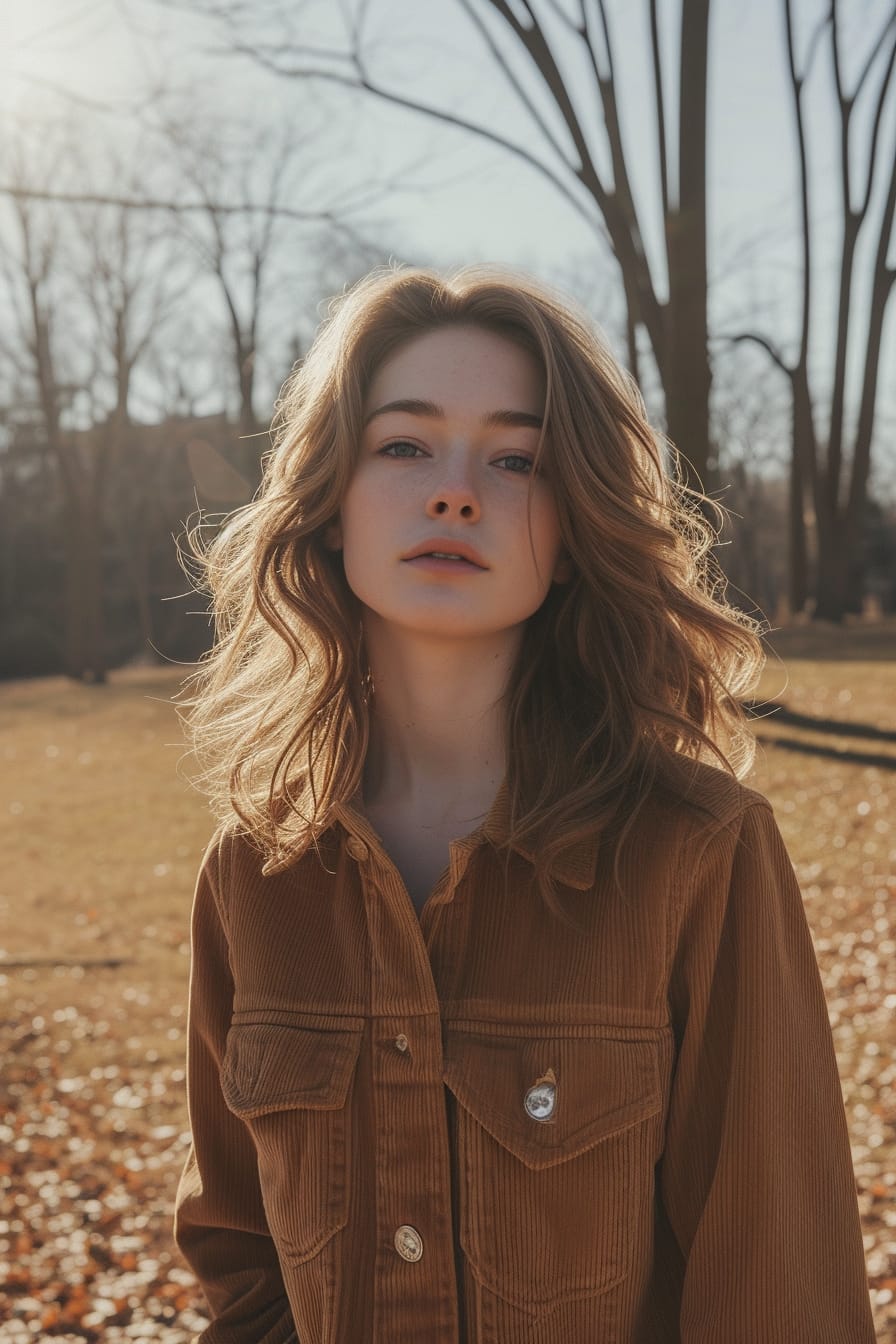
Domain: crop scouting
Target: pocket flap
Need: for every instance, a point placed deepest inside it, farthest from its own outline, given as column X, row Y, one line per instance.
column 271, row 1067
column 597, row 1085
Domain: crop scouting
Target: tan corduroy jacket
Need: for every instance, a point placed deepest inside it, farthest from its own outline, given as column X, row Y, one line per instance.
column 480, row 1127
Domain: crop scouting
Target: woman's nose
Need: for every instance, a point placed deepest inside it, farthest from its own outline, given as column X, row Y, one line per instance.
column 450, row 502
column 455, row 491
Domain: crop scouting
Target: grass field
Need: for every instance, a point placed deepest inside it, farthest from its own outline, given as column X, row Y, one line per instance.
column 102, row 834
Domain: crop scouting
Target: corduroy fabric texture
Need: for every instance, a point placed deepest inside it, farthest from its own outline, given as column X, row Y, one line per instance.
column 633, row 1134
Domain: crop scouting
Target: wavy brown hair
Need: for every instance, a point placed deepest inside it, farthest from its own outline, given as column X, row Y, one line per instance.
column 635, row 665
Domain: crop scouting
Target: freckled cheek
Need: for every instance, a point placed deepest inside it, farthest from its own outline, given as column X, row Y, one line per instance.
column 372, row 526
column 546, row 538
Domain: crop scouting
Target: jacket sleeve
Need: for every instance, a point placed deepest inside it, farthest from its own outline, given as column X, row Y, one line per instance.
column 220, row 1225
column 756, row 1179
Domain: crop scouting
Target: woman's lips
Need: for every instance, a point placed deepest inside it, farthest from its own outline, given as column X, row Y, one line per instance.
column 431, row 562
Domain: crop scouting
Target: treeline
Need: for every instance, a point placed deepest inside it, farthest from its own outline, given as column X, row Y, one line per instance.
column 615, row 117
column 158, row 280
column 129, row 599
column 135, row 328
column 67, row 606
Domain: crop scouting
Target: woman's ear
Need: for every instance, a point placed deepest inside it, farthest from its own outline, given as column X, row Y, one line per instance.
column 333, row 537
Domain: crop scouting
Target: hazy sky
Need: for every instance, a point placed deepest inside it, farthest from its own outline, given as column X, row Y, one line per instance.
column 471, row 202
column 108, row 49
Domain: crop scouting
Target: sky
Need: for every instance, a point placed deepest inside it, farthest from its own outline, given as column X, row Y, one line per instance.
column 455, row 199
column 104, row 49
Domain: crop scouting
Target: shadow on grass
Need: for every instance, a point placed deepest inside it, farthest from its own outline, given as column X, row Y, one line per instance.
column 841, row 727
column 852, row 642
column 877, row 759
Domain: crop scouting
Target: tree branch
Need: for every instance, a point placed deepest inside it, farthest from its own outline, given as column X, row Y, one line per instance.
column 878, row 114
column 737, row 338
column 564, row 18
column 882, row 287
column 439, row 114
column 525, row 99
column 796, row 82
column 619, row 208
column 660, row 107
column 539, row 51
column 851, row 226
column 814, row 40
column 147, row 203
column 876, row 48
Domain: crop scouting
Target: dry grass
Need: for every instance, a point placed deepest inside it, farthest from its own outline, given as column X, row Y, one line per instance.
column 103, row 836
column 106, row 834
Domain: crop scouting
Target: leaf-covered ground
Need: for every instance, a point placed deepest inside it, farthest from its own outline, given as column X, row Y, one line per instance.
column 102, row 835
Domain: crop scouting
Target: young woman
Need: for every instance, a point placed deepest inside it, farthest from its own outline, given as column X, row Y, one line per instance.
column 505, row 1021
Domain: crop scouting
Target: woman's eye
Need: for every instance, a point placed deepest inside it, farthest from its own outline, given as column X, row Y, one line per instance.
column 405, row 450
column 518, row 457
column 400, row 443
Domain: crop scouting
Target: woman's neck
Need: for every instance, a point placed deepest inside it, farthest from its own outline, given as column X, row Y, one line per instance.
column 437, row 731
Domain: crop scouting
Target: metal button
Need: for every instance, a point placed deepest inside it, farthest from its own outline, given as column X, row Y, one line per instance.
column 408, row 1242
column 357, row 848
column 539, row 1101
column 401, row 1042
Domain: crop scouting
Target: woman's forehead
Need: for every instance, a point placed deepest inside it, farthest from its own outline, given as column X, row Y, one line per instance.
column 460, row 365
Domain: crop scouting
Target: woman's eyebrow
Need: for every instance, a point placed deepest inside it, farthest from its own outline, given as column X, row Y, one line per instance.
column 429, row 410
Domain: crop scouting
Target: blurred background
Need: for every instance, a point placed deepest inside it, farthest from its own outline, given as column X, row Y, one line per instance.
column 183, row 183
column 183, row 186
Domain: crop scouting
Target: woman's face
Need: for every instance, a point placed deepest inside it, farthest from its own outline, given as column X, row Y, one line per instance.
column 451, row 426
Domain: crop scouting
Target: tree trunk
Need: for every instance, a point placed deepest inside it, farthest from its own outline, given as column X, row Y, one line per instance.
column 139, row 563
column 85, row 626
column 831, row 577
column 686, row 372
column 685, row 368
column 74, row 617
column 94, row 593
column 798, row 558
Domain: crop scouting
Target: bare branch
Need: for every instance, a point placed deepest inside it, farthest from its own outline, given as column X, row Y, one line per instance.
column 524, row 97
column 660, row 107
column 604, row 23
column 874, row 52
column 173, row 207
column 539, row 51
column 814, row 40
column 796, row 82
column 878, row 116
column 564, row 18
column 619, row 207
column 851, row 225
column 439, row 114
column 884, row 279
column 736, row 338
column 842, row 99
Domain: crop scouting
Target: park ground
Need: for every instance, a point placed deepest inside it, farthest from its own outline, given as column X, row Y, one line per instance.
column 102, row 834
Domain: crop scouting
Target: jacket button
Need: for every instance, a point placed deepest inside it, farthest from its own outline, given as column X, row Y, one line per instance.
column 357, row 849
column 401, row 1042
column 408, row 1242
column 539, row 1101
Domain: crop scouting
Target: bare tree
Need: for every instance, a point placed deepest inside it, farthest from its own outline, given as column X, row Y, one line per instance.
column 133, row 278
column 32, row 270
column 835, row 482
column 534, row 47
column 288, row 201
column 87, row 297
column 751, row 417
column 236, row 250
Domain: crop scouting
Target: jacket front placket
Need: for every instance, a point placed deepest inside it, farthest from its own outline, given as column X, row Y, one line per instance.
column 415, row 1285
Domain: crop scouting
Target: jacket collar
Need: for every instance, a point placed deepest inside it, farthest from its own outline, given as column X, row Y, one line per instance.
column 576, row 867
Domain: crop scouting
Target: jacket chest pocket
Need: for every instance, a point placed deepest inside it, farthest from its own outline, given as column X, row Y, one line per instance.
column 555, row 1157
column 290, row 1086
